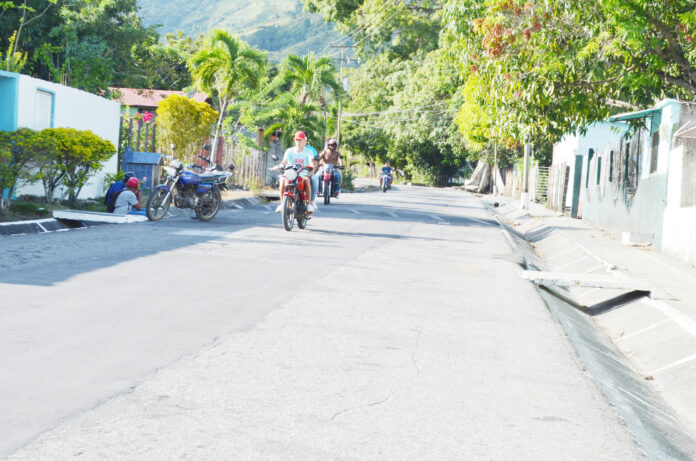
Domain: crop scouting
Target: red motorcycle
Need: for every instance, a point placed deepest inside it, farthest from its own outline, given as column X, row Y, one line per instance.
column 293, row 198
column 328, row 186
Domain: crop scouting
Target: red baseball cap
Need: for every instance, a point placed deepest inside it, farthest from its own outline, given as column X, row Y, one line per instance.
column 300, row 136
column 132, row 182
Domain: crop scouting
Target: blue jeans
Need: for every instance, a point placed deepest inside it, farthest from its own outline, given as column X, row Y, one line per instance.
column 315, row 185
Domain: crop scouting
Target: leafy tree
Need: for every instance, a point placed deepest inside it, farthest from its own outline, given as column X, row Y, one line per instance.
column 223, row 68
column 19, row 150
column 539, row 69
column 26, row 14
column 162, row 66
column 185, row 123
column 14, row 61
column 404, row 96
column 87, row 44
column 77, row 155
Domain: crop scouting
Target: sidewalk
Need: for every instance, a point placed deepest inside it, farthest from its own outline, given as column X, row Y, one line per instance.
column 80, row 219
column 609, row 281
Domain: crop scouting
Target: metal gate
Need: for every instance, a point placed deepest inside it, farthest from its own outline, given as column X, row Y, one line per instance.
column 542, row 184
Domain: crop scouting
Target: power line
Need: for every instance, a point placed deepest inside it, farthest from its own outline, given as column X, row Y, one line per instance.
column 360, row 27
column 396, row 10
column 387, row 112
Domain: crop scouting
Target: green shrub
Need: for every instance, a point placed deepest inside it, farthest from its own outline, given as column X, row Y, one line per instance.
column 22, row 206
column 347, row 181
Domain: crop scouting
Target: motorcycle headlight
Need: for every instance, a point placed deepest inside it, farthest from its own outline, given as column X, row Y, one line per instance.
column 290, row 174
column 171, row 172
column 175, row 164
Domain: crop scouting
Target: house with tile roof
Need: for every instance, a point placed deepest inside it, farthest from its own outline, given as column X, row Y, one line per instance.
column 139, row 100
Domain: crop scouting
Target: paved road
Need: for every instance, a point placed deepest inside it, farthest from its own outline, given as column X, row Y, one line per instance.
column 394, row 327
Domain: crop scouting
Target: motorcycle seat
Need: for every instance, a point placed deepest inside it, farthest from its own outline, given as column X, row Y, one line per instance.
column 210, row 178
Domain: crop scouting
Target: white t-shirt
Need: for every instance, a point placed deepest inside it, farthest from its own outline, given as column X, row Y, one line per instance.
column 124, row 202
column 303, row 158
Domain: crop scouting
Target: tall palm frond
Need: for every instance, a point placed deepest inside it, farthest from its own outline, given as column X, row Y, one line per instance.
column 224, row 67
column 309, row 76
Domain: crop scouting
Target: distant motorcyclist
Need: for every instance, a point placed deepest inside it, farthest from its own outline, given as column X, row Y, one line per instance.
column 300, row 154
column 387, row 170
column 331, row 156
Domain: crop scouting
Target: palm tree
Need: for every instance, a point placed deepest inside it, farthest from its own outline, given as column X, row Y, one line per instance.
column 224, row 67
column 294, row 116
column 309, row 76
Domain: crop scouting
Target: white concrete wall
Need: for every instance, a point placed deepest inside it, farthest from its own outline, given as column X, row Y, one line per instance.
column 598, row 136
column 604, row 204
column 72, row 109
column 679, row 237
column 565, row 151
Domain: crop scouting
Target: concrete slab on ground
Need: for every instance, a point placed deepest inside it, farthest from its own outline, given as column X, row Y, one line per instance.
column 656, row 333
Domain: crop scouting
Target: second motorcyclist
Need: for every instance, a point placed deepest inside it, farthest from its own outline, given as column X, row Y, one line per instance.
column 331, row 156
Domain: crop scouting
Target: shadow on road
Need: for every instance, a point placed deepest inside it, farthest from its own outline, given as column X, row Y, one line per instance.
column 47, row 259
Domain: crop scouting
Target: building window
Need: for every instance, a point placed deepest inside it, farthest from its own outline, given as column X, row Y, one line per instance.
column 611, row 165
column 43, row 110
column 655, row 121
column 654, row 150
column 590, row 154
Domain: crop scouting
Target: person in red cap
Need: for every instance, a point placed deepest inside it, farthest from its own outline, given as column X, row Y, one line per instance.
column 129, row 198
column 301, row 154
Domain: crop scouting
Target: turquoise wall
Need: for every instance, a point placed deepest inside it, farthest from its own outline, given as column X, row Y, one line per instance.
column 8, row 100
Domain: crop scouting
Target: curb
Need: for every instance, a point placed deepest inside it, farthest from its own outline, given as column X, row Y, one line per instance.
column 62, row 223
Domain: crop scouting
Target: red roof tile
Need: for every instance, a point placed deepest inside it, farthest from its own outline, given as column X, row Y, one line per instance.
column 136, row 97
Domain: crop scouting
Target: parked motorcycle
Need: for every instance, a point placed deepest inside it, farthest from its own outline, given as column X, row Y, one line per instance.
column 187, row 189
column 328, row 185
column 293, row 197
column 384, row 182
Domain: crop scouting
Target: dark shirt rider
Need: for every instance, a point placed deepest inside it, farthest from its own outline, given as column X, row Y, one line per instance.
column 386, row 169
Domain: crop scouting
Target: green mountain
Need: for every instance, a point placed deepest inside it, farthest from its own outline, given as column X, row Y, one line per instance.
column 278, row 26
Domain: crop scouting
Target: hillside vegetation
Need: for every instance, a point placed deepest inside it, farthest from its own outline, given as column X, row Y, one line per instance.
column 277, row 26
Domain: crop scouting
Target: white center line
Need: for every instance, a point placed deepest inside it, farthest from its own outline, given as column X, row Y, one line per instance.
column 571, row 263
column 643, row 330
column 674, row 364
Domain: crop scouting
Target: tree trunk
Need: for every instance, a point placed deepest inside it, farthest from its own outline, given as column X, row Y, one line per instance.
column 223, row 108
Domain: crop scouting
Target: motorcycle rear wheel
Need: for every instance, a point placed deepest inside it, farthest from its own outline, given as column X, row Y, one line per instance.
column 155, row 208
column 287, row 212
column 208, row 209
column 327, row 192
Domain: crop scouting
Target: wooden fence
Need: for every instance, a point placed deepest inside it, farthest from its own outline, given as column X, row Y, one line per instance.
column 251, row 165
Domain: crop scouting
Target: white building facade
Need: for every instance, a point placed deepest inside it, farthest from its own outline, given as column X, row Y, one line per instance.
column 27, row 102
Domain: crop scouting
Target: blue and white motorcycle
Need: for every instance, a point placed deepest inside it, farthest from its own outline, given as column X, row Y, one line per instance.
column 199, row 192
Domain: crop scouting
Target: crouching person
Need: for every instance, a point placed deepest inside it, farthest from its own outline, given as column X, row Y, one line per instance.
column 130, row 200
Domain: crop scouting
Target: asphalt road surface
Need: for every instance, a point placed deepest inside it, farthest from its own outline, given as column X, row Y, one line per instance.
column 394, row 327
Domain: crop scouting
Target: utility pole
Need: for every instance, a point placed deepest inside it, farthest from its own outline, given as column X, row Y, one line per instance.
column 340, row 105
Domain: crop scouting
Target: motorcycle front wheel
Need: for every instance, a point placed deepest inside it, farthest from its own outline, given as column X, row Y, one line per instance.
column 157, row 207
column 384, row 185
column 287, row 212
column 209, row 208
column 302, row 220
column 327, row 192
